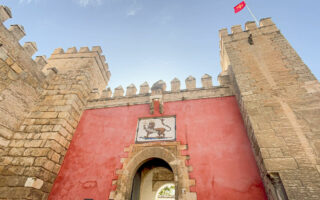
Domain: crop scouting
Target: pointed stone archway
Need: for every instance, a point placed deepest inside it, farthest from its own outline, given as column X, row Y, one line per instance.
column 170, row 152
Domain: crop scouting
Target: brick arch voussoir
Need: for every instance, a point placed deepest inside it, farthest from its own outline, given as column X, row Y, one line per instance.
column 148, row 154
column 138, row 157
column 130, row 169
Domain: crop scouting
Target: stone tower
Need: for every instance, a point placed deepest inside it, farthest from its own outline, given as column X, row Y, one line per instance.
column 279, row 100
column 47, row 105
column 41, row 103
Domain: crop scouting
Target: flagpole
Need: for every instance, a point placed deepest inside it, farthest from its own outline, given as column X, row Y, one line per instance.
column 254, row 17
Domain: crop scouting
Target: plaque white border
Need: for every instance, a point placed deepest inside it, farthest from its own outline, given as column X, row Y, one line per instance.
column 154, row 129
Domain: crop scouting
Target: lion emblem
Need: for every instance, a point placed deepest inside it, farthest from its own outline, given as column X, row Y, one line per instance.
column 160, row 131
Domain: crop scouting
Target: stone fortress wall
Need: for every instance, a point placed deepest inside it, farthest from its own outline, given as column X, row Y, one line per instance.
column 279, row 99
column 146, row 94
column 41, row 102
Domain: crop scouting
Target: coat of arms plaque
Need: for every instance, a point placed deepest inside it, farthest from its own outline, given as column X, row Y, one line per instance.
column 156, row 129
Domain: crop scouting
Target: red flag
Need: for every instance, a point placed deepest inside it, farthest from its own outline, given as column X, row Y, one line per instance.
column 239, row 7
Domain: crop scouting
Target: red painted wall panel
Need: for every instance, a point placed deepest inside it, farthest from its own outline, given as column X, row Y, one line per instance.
column 220, row 152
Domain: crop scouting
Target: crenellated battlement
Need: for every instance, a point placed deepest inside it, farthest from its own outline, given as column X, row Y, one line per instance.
column 133, row 96
column 22, row 81
column 190, row 82
column 74, row 50
column 84, row 52
column 249, row 36
column 19, row 57
column 73, row 59
column 41, row 67
column 5, row 13
column 266, row 25
column 175, row 86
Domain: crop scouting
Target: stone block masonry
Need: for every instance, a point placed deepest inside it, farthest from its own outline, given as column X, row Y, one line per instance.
column 137, row 153
column 280, row 103
column 37, row 149
column 41, row 102
column 21, row 83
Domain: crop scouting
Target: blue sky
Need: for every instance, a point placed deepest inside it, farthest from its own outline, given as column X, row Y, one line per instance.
column 149, row 40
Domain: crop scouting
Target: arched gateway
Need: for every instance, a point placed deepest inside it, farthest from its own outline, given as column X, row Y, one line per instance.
column 142, row 154
column 154, row 175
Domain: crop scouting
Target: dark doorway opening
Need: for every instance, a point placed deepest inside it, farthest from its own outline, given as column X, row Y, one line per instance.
column 154, row 180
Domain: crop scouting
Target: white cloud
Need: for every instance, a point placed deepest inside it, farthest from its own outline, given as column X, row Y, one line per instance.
column 85, row 3
column 133, row 11
column 25, row 1
column 134, row 8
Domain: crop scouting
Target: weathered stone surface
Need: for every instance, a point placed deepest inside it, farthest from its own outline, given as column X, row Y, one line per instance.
column 270, row 141
column 167, row 151
column 251, row 25
column 41, row 61
column 58, row 51
column 118, row 92
column 30, row 48
column 206, row 81
column 5, row 13
column 106, row 93
column 34, row 182
column 190, row 83
column 72, row 50
column 131, row 90
column 175, row 85
column 158, row 86
column 4, row 142
column 16, row 68
column 144, row 88
column 275, row 90
column 84, row 49
column 17, row 31
column 37, row 130
column 277, row 164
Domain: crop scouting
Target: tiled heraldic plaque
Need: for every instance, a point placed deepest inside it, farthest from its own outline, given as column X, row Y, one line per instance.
column 156, row 129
